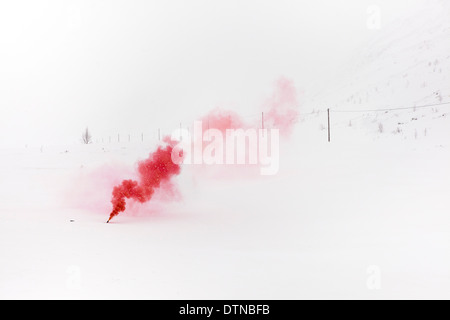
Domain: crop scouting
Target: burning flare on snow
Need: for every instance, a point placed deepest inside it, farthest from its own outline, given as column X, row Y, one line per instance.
column 158, row 168
column 281, row 110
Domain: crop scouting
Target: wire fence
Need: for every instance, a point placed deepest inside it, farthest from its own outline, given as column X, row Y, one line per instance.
column 158, row 134
column 394, row 109
column 376, row 111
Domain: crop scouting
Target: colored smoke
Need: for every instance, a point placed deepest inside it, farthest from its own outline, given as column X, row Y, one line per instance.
column 152, row 172
column 281, row 109
column 280, row 112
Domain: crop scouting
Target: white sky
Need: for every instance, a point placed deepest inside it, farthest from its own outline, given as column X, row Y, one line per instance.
column 134, row 66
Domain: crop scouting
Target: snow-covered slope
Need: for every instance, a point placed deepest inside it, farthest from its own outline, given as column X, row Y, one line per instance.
column 405, row 63
column 365, row 216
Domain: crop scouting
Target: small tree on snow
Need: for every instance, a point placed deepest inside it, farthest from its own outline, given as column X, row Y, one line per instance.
column 380, row 127
column 86, row 137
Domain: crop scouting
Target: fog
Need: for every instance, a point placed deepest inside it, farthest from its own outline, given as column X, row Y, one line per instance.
column 134, row 66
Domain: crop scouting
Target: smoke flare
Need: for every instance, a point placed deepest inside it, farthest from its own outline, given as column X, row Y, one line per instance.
column 158, row 168
column 280, row 110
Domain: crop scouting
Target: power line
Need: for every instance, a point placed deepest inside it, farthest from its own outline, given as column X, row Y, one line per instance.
column 392, row 109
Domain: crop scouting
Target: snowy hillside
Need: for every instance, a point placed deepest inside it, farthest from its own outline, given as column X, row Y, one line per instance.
column 406, row 63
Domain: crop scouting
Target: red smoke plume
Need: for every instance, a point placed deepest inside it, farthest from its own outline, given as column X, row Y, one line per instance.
column 157, row 169
column 222, row 119
column 281, row 109
column 280, row 112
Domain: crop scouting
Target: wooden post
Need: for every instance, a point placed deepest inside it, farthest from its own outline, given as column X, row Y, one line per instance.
column 262, row 120
column 329, row 136
column 142, row 137
column 159, row 134
column 118, row 137
column 262, row 123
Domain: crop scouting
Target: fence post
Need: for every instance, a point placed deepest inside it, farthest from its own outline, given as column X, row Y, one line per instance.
column 262, row 123
column 329, row 136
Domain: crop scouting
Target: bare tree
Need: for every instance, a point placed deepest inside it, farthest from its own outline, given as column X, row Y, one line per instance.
column 380, row 127
column 86, row 137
